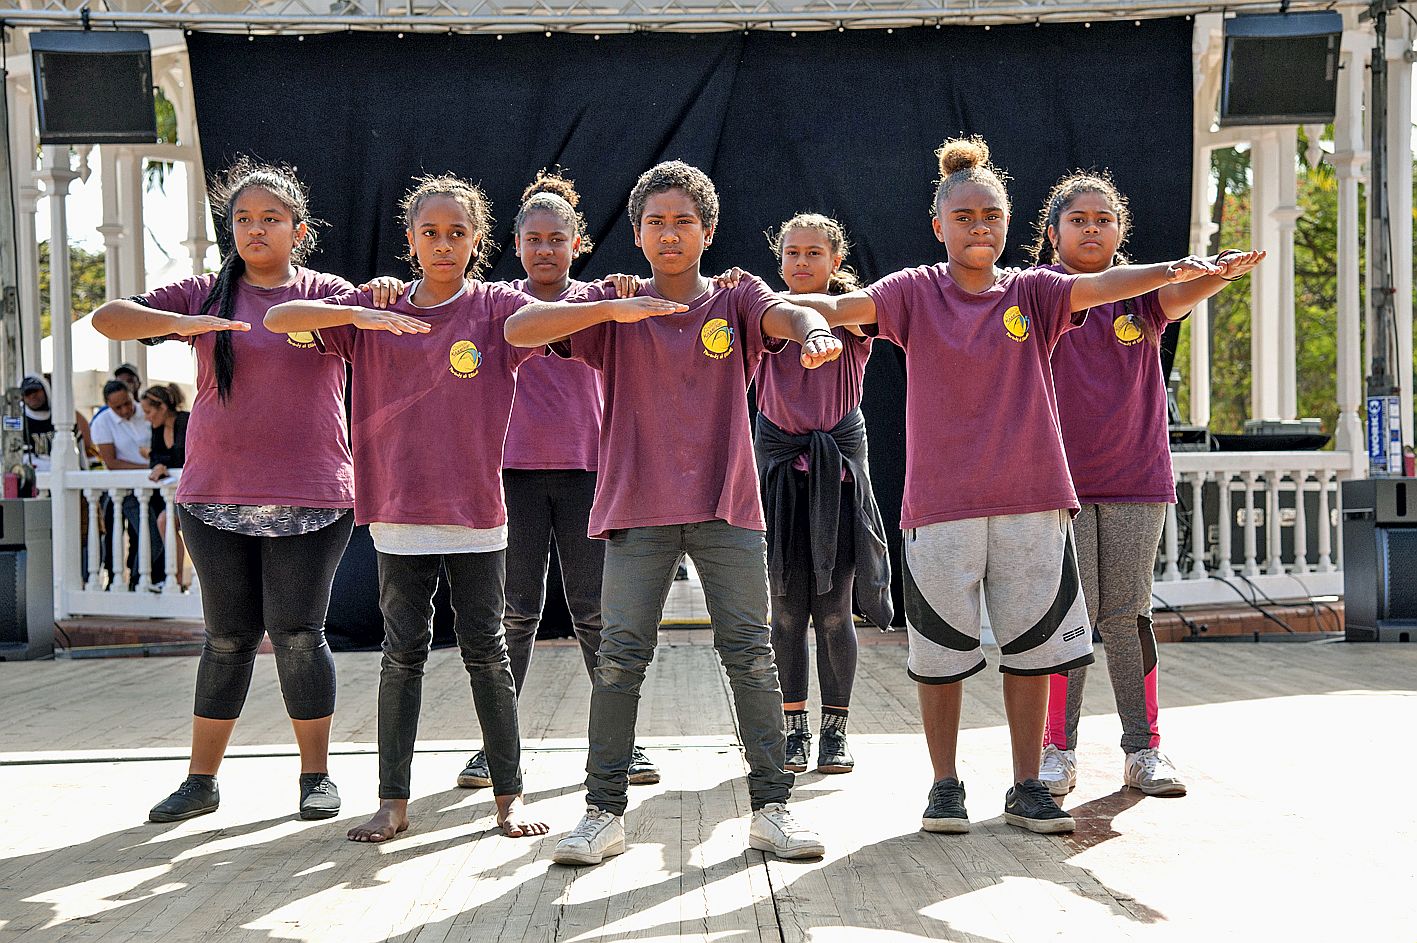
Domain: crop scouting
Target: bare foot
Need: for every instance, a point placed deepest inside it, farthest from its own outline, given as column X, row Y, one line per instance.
column 513, row 819
column 390, row 820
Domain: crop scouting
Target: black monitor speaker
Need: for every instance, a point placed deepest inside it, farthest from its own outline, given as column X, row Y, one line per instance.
column 1380, row 560
column 94, row 87
column 1281, row 68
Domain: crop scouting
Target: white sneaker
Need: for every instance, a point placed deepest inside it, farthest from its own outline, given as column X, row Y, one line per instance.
column 1150, row 771
column 1058, row 770
column 775, row 830
column 598, row 836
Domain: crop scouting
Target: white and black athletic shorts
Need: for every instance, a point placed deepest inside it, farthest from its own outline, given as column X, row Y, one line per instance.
column 1026, row 567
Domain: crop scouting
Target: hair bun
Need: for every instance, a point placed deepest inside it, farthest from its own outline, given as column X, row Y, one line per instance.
column 553, row 183
column 958, row 154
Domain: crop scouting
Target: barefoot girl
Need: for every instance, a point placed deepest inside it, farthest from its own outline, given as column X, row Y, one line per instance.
column 676, row 476
column 265, row 530
column 823, row 525
column 432, row 390
column 987, row 491
column 1112, row 403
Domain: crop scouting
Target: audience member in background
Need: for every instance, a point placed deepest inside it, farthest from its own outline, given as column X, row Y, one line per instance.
column 168, row 451
column 39, row 426
column 123, row 441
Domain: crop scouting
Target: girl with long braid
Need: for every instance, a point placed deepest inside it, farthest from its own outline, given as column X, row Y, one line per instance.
column 265, row 536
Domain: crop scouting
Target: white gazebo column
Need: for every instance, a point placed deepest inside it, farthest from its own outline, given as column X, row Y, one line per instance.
column 57, row 176
column 113, row 235
column 197, row 243
column 1202, row 229
column 1399, row 168
column 1349, row 158
column 133, row 270
column 1265, row 288
column 1285, row 215
column 22, row 149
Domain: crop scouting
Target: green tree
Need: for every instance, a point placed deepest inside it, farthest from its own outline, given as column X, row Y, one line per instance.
column 88, row 287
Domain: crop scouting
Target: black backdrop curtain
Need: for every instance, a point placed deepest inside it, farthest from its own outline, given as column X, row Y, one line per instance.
column 843, row 123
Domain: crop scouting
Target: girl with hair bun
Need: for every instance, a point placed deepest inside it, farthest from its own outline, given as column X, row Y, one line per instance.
column 433, row 381
column 266, row 530
column 825, row 534
column 988, row 498
column 1112, row 404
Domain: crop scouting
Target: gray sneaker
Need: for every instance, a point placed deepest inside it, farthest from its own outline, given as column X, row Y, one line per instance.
column 1150, row 771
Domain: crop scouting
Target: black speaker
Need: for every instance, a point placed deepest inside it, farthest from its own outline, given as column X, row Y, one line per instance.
column 94, row 87
column 1380, row 560
column 1281, row 68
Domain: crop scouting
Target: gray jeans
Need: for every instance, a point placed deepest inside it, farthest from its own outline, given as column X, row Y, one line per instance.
column 639, row 570
column 406, row 585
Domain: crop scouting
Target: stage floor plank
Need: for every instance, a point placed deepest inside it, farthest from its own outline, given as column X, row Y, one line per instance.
column 1297, row 827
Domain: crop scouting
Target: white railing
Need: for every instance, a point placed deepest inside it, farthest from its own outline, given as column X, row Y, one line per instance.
column 1252, row 523
column 91, row 575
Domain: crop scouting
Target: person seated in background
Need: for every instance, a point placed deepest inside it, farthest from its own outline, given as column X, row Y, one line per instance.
column 161, row 408
column 123, row 441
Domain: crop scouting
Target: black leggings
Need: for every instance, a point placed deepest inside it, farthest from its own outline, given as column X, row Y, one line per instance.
column 252, row 586
column 829, row 613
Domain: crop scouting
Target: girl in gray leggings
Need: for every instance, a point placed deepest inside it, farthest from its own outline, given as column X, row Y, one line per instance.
column 1112, row 406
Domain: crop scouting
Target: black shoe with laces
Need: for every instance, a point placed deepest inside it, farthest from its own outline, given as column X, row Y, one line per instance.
column 832, row 754
column 1030, row 805
column 475, row 775
column 642, row 771
column 196, row 796
column 319, row 799
column 945, row 811
column 799, row 744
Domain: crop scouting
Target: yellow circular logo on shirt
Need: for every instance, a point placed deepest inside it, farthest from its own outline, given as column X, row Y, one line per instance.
column 1016, row 323
column 301, row 339
column 1127, row 330
column 465, row 359
column 718, row 338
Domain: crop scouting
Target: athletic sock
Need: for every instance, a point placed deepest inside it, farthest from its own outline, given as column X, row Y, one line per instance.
column 796, row 721
column 834, row 718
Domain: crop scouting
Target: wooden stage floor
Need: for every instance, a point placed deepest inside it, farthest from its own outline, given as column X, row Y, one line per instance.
column 1298, row 826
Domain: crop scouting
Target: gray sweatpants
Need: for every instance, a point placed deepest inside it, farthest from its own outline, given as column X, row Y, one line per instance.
column 1116, row 546
column 639, row 569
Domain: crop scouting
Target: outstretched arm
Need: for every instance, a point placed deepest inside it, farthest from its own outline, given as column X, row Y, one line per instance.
column 807, row 327
column 547, row 322
column 292, row 316
column 854, row 307
column 1129, row 281
column 1178, row 300
column 124, row 320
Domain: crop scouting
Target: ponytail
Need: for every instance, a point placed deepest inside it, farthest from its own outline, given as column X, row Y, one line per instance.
column 223, row 298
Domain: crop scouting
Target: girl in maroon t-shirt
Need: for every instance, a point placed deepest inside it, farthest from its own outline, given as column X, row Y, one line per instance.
column 821, row 533
column 987, row 489
column 265, row 532
column 1112, row 405
column 432, row 382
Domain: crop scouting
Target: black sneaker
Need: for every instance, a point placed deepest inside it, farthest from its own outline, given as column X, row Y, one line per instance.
column 196, row 796
column 643, row 772
column 832, row 754
column 799, row 744
column 319, row 799
column 945, row 811
column 475, row 774
column 1030, row 805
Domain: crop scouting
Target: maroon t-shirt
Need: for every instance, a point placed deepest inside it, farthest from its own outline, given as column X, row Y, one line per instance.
column 675, row 445
column 981, row 420
column 1112, row 403
column 429, row 411
column 556, row 416
column 800, row 401
column 279, row 437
